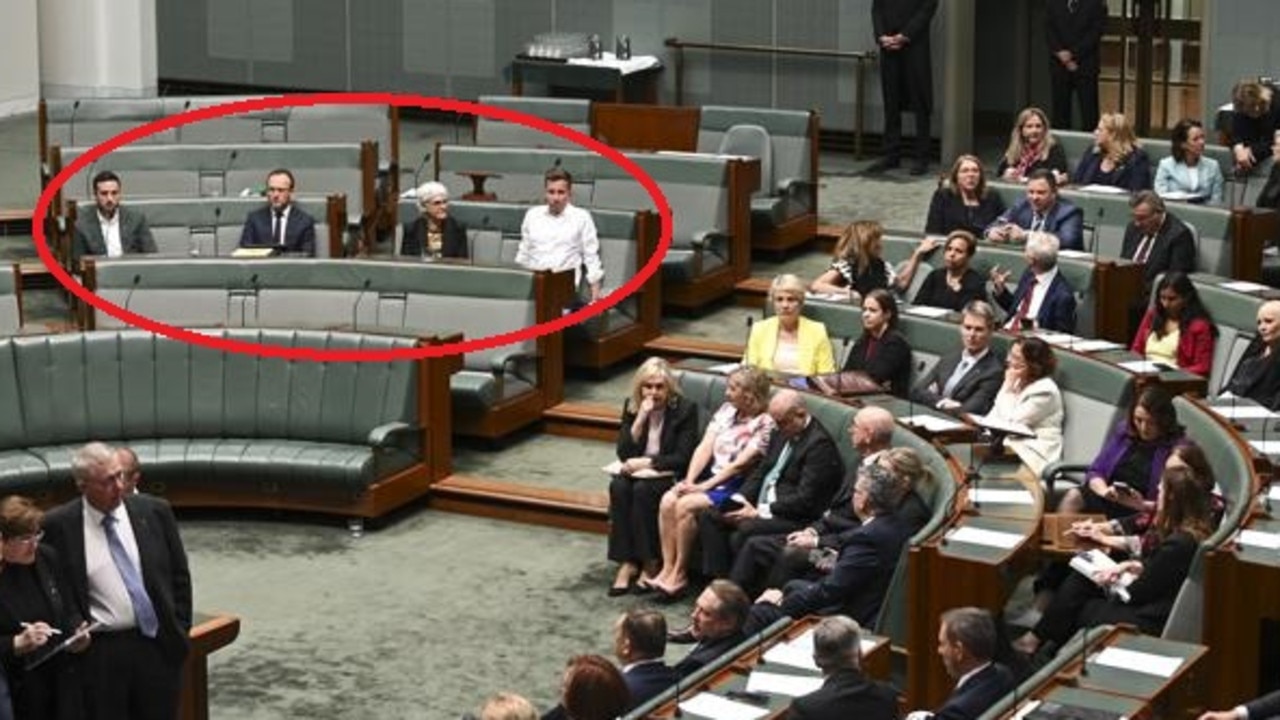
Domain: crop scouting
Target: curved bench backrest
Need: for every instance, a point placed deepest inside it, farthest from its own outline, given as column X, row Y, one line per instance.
column 1235, row 315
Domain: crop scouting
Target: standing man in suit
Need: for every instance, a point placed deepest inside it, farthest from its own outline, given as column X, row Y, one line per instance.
column 969, row 379
column 1074, row 32
column 128, row 571
column 1264, row 707
column 1042, row 210
column 639, row 642
column 967, row 646
column 790, row 489
column 718, row 616
column 906, row 76
column 281, row 224
column 561, row 236
column 845, row 692
column 1044, row 298
column 114, row 230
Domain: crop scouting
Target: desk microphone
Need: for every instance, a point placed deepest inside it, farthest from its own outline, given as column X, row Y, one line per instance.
column 71, row 130
column 253, row 289
column 1084, row 652
column 177, row 133
column 751, row 321
column 355, row 307
column 1097, row 226
column 137, row 278
column 760, row 646
column 403, row 297
column 1243, row 175
column 678, row 712
column 417, row 174
column 231, row 159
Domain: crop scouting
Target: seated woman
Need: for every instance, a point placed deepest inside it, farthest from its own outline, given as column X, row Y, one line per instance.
column 736, row 439
column 788, row 342
column 859, row 267
column 1255, row 118
column 881, row 351
column 658, row 433
column 1176, row 330
column 434, row 233
column 1187, row 173
column 1115, row 158
column 1032, row 147
column 1030, row 397
column 962, row 201
column 1125, row 476
column 1257, row 376
column 1151, row 580
column 955, row 284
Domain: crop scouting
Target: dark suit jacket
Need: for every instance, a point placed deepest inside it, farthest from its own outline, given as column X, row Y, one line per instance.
column 846, row 694
column 454, row 241
column 1057, row 312
column 1174, row 249
column 977, row 695
column 299, row 231
column 679, row 436
column 1264, row 707
column 135, row 236
column 906, row 72
column 705, row 652
column 808, row 481
column 1257, row 377
column 52, row 690
column 857, row 584
column 1064, row 219
column 160, row 552
column 647, row 680
column 890, row 364
column 1079, row 31
column 1133, row 174
column 975, row 392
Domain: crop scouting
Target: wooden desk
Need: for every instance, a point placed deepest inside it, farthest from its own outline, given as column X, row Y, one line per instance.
column 208, row 634
column 587, row 80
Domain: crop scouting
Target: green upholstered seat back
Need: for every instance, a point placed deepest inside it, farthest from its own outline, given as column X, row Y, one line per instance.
column 1235, row 314
column 573, row 113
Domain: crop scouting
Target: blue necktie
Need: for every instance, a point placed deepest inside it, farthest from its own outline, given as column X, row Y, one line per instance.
column 142, row 608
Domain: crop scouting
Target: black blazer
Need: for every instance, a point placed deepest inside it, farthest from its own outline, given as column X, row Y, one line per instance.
column 299, row 231
column 454, row 240
column 1151, row 594
column 977, row 695
column 846, row 694
column 54, row 689
column 648, row 680
column 1079, row 31
column 1265, row 706
column 976, row 391
column 1057, row 312
column 936, row 292
column 679, row 439
column 808, row 481
column 164, row 564
column 135, row 236
column 948, row 212
column 860, row 578
column 1257, row 377
column 891, row 363
column 707, row 651
column 1174, row 249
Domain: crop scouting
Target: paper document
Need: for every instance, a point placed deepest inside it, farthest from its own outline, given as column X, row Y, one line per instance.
column 988, row 538
column 1243, row 286
column 1077, row 254
column 1144, row 367
column 1257, row 538
column 792, row 654
column 1003, row 426
column 615, row 468
column 710, row 705
column 781, row 684
column 1091, row 562
column 253, row 252
column 1180, row 195
column 932, row 423
column 998, row 496
column 1266, row 447
column 1057, row 338
column 1103, row 189
column 1095, row 345
column 926, row 311
column 1274, row 492
column 626, row 67
column 1143, row 662
column 1245, row 411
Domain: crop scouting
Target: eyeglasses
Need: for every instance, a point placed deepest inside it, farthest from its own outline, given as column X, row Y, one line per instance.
column 29, row 539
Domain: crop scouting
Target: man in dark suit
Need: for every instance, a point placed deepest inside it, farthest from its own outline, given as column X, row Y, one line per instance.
column 639, row 642
column 1266, row 706
column 967, row 646
column 1157, row 240
column 845, row 692
column 790, row 489
column 1074, row 33
column 113, row 230
column 718, row 616
column 857, row 583
column 1041, row 210
column 281, row 224
column 1044, row 299
column 128, row 571
column 906, row 76
column 969, row 379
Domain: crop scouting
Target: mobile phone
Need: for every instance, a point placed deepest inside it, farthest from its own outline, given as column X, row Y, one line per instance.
column 1124, row 488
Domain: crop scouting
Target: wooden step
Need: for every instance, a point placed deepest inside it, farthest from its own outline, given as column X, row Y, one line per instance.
column 589, row 421
column 682, row 346
column 752, row 292
column 483, row 497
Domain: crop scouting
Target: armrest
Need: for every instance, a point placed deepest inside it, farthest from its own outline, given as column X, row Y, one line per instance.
column 713, row 240
column 525, row 366
column 1055, row 470
column 793, row 186
column 394, row 435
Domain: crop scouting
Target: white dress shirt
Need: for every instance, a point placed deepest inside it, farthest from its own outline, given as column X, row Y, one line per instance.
column 560, row 242
column 109, row 601
column 111, row 234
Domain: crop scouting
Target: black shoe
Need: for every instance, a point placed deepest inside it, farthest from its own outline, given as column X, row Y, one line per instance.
column 683, row 636
column 920, row 167
column 620, row 591
column 888, row 162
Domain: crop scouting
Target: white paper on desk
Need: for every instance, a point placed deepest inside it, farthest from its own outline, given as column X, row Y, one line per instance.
column 1274, row 492
column 782, row 684
column 1142, row 367
column 1143, row 662
column 1057, row 338
column 1267, row 447
column 829, row 297
column 1026, row 709
column 795, row 653
column 988, row 538
column 1094, row 345
column 1103, row 189
column 1077, row 254
column 710, row 705
column 1000, row 496
column 1258, row 538
column 724, row 368
column 932, row 423
column 1243, row 286
column 926, row 311
column 998, row 425
column 626, row 67
column 1246, row 411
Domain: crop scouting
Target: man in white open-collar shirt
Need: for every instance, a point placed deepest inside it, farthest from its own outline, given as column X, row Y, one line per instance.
column 560, row 236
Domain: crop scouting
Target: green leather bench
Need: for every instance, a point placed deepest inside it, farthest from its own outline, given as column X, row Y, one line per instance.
column 572, row 113
column 226, row 429
column 1235, row 314
column 10, row 299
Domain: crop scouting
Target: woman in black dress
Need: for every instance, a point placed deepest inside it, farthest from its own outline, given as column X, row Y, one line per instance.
column 955, row 284
column 1257, row 377
column 435, row 233
column 962, row 201
column 881, row 351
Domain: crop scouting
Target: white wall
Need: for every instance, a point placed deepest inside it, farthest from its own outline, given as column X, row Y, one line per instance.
column 97, row 48
column 19, row 58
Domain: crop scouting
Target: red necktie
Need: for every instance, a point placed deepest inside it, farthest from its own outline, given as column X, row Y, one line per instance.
column 1024, row 307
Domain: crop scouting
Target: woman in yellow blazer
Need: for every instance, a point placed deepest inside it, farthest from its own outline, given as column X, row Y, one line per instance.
column 788, row 342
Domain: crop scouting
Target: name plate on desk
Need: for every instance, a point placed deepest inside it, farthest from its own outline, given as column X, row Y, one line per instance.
column 986, row 538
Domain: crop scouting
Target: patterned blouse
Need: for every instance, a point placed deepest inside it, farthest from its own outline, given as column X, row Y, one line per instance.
column 735, row 436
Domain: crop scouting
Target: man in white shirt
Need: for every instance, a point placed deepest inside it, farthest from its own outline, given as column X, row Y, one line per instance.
column 560, row 236
column 112, row 230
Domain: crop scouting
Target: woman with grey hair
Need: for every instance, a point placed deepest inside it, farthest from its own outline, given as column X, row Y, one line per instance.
column 434, row 233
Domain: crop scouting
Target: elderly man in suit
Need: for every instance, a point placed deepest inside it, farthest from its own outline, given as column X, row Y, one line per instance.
column 280, row 224
column 1156, row 239
column 967, row 646
column 969, row 379
column 1041, row 210
column 845, row 692
column 128, row 571
column 1043, row 299
column 114, row 229
column 790, row 489
column 906, row 76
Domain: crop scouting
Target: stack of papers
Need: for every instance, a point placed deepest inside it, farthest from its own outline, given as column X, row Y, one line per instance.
column 1147, row 663
column 1095, row 345
column 997, row 496
column 987, row 538
column 1144, row 367
column 782, row 684
column 626, row 67
column 710, row 705
column 1260, row 539
column 926, row 311
column 1246, row 411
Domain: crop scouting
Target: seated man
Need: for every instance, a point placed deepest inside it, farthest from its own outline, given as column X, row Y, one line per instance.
column 718, row 616
column 967, row 646
column 845, row 692
column 870, row 432
column 280, row 224
column 114, row 230
column 561, row 236
column 639, row 642
column 790, row 489
column 1044, row 300
column 969, row 379
column 1040, row 211
column 856, row 585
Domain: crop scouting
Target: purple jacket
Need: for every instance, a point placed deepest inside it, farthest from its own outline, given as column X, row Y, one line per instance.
column 1113, row 451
